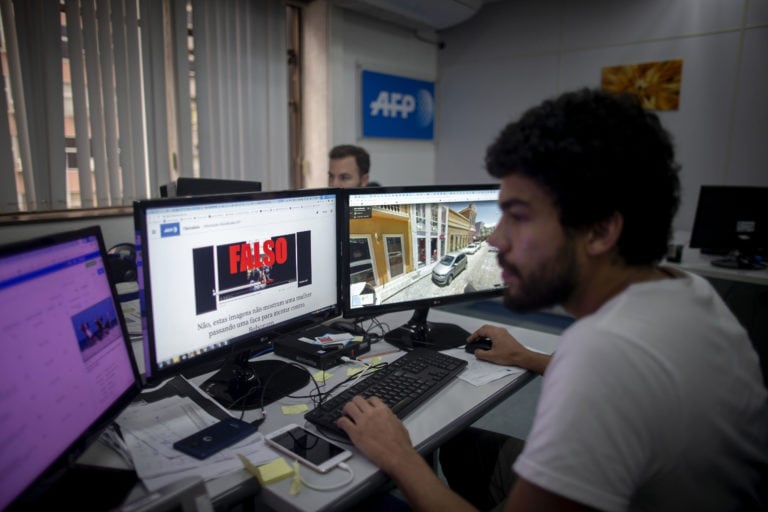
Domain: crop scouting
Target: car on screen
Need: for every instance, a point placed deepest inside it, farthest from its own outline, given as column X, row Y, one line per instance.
column 449, row 267
column 472, row 248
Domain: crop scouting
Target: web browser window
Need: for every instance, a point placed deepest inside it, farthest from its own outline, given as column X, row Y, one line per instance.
column 221, row 270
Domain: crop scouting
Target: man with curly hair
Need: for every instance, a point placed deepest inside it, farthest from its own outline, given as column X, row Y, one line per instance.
column 654, row 398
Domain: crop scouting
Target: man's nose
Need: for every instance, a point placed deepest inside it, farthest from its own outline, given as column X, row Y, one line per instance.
column 494, row 239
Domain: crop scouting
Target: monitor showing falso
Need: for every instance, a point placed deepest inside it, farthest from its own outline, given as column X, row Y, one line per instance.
column 221, row 276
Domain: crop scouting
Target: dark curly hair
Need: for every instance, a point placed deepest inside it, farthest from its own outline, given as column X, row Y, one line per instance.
column 362, row 158
column 598, row 153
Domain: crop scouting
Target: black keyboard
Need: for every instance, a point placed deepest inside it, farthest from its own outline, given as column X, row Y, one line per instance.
column 403, row 385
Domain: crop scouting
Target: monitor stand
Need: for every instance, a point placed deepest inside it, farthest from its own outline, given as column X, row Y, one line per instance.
column 419, row 333
column 243, row 385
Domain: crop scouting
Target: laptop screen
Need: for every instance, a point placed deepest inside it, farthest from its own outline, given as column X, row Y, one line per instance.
column 65, row 363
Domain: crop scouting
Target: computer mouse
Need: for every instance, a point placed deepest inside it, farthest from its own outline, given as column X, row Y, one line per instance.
column 479, row 343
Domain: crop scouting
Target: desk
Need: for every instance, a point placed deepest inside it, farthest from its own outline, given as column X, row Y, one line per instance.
column 454, row 408
column 697, row 263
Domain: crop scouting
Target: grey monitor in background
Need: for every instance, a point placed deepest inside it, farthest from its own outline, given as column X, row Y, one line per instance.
column 207, row 186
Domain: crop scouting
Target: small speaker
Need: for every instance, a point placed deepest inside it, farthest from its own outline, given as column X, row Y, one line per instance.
column 121, row 263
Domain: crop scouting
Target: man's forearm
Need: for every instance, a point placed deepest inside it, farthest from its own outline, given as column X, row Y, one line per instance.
column 536, row 362
column 423, row 489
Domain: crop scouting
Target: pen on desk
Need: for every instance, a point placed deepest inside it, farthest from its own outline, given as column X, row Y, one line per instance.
column 378, row 354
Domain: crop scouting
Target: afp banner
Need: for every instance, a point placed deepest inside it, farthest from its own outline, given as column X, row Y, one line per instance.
column 397, row 107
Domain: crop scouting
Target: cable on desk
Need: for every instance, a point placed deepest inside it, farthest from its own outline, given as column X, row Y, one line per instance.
column 350, row 360
column 264, row 387
column 369, row 368
column 375, row 323
column 333, row 487
column 318, row 397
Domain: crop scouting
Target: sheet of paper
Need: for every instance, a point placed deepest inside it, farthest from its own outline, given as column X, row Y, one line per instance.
column 132, row 314
column 482, row 372
column 151, row 428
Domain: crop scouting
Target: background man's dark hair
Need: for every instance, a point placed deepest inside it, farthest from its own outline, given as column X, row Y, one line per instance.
column 362, row 159
column 598, row 153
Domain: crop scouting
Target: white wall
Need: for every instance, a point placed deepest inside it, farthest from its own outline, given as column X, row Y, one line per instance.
column 515, row 53
column 359, row 42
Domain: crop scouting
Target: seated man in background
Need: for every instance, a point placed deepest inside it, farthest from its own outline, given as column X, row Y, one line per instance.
column 348, row 166
column 654, row 398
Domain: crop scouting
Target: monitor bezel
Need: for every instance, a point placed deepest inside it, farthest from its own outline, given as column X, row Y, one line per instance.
column 701, row 236
column 67, row 458
column 254, row 342
column 372, row 311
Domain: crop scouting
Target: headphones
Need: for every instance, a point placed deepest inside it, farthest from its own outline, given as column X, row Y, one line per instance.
column 121, row 263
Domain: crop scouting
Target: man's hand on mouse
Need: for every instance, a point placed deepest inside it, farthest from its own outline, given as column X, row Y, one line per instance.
column 506, row 350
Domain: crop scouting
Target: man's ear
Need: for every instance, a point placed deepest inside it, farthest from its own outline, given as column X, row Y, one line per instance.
column 604, row 235
column 364, row 179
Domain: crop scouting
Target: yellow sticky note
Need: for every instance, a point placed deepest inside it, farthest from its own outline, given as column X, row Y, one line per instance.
column 289, row 410
column 322, row 376
column 270, row 472
column 354, row 371
column 296, row 483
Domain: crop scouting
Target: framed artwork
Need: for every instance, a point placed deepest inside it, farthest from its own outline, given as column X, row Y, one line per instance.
column 657, row 84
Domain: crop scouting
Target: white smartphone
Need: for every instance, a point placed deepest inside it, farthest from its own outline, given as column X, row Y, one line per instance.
column 309, row 449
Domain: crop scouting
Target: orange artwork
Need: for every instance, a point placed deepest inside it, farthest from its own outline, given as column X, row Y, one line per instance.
column 657, row 84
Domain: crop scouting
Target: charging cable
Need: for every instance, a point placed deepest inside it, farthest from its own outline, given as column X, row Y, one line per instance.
column 348, row 359
column 332, row 487
column 360, row 373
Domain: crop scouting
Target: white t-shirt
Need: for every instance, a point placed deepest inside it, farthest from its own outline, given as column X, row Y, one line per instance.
column 654, row 402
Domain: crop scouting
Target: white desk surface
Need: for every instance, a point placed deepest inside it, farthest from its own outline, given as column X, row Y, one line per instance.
column 455, row 407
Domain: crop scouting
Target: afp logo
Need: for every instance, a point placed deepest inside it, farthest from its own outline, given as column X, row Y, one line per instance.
column 397, row 107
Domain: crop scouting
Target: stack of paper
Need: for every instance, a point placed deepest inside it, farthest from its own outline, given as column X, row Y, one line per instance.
column 151, row 428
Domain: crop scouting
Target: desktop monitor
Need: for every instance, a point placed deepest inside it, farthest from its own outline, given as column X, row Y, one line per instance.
column 411, row 248
column 222, row 276
column 67, row 367
column 732, row 220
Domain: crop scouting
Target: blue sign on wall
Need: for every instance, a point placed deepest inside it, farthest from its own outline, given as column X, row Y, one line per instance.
column 397, row 107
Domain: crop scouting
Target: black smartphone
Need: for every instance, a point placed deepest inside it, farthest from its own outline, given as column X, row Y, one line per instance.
column 215, row 438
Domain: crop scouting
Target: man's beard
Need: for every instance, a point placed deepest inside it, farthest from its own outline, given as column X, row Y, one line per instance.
column 548, row 285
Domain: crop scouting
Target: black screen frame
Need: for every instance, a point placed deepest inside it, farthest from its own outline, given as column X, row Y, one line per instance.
column 37, row 490
column 208, row 186
column 422, row 305
column 242, row 346
column 718, row 211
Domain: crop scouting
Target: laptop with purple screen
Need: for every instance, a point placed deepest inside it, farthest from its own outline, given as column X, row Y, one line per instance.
column 66, row 364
